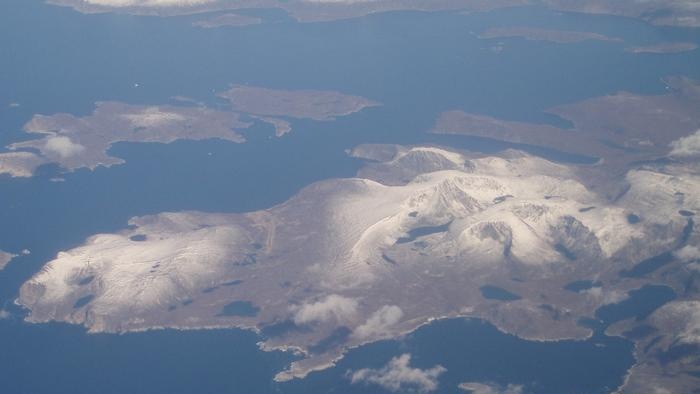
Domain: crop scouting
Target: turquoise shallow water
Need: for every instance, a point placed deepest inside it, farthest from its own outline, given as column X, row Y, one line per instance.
column 417, row 64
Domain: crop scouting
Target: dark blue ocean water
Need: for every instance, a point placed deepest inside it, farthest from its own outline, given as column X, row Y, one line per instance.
column 418, row 64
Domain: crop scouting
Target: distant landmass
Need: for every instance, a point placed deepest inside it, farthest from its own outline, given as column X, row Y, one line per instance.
column 659, row 12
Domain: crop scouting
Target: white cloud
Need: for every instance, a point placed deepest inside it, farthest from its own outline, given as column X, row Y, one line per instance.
column 62, row 146
column 333, row 307
column 397, row 375
column 148, row 3
column 152, row 117
column 687, row 253
column 4, row 314
column 19, row 164
column 687, row 146
column 482, row 388
column 380, row 322
column 606, row 297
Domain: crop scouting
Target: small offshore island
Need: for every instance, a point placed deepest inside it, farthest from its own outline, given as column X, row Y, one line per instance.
column 665, row 47
column 556, row 36
column 83, row 142
column 5, row 259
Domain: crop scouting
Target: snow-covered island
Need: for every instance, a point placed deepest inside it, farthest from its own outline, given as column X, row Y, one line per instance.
column 357, row 260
